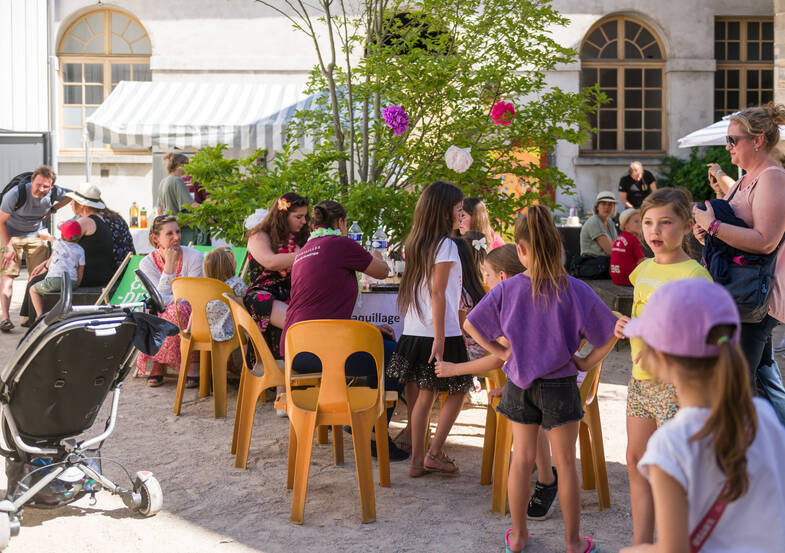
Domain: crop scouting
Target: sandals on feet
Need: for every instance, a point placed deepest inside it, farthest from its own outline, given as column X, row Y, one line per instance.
column 592, row 546
column 191, row 381
column 507, row 541
column 6, row 326
column 417, row 471
column 155, row 380
column 442, row 464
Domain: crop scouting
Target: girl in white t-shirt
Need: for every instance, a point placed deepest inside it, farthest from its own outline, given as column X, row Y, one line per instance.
column 716, row 468
column 430, row 297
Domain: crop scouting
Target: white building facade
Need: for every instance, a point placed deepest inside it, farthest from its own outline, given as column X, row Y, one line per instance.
column 670, row 67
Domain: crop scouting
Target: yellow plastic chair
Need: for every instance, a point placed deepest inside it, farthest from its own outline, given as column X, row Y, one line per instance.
column 493, row 379
column 253, row 381
column 213, row 356
column 334, row 403
column 593, row 467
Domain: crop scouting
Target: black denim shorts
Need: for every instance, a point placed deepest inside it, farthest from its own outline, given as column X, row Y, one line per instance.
column 547, row 402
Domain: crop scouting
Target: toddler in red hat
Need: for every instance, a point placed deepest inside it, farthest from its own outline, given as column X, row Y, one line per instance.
column 67, row 258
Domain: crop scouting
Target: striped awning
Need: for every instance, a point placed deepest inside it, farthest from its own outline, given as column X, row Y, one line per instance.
column 713, row 135
column 245, row 116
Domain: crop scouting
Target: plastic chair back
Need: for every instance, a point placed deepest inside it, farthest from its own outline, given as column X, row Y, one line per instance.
column 333, row 341
column 199, row 291
column 249, row 336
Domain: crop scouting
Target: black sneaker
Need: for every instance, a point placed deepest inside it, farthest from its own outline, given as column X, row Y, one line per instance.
column 396, row 453
column 543, row 499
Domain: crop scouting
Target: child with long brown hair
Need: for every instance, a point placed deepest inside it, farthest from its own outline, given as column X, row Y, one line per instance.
column 716, row 468
column 667, row 219
column 430, row 295
column 542, row 314
column 475, row 218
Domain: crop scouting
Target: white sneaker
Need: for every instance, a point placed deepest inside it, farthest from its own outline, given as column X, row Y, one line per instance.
column 280, row 413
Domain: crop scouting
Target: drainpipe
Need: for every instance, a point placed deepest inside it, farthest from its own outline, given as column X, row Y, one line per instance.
column 52, row 76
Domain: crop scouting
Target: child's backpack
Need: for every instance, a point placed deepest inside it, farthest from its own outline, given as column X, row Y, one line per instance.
column 20, row 182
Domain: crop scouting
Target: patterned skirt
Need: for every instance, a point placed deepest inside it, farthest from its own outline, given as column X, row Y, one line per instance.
column 409, row 363
column 169, row 354
column 259, row 303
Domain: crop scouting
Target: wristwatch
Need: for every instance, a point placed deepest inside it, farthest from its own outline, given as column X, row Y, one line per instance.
column 719, row 171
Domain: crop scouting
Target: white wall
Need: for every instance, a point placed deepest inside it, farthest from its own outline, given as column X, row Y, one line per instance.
column 24, row 91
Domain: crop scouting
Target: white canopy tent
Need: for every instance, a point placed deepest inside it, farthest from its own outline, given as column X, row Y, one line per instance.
column 244, row 116
column 713, row 135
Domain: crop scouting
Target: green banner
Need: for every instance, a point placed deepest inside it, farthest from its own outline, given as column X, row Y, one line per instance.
column 130, row 290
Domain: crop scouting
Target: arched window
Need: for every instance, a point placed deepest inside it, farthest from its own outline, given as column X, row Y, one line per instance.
column 100, row 49
column 626, row 59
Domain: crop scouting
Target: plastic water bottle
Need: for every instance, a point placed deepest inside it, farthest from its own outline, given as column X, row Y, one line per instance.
column 379, row 243
column 356, row 233
column 573, row 211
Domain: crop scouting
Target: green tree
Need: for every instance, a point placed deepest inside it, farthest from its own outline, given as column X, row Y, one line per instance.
column 692, row 173
column 447, row 63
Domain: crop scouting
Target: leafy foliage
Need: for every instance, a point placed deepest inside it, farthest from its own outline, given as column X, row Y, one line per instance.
column 691, row 173
column 446, row 62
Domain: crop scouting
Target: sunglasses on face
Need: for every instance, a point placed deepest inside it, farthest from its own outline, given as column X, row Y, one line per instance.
column 733, row 140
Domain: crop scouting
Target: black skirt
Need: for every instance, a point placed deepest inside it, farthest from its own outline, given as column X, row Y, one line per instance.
column 409, row 363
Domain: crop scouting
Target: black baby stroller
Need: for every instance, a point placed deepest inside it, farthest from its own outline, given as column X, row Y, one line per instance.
column 51, row 391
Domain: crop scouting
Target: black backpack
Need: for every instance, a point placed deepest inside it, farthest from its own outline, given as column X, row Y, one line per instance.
column 20, row 182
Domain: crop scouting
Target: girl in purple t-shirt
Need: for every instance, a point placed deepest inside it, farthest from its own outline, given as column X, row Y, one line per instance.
column 543, row 315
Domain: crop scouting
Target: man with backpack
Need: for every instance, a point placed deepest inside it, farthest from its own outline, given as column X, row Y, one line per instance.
column 26, row 202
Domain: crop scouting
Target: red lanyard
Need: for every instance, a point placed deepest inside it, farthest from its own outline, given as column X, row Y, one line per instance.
column 706, row 526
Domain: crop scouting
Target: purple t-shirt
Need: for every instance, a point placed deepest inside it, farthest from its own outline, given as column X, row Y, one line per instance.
column 543, row 335
column 324, row 285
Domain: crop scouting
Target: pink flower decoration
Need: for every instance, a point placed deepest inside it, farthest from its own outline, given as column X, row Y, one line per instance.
column 503, row 113
column 396, row 118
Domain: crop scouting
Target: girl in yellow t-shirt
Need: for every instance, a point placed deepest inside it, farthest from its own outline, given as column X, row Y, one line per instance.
column 667, row 218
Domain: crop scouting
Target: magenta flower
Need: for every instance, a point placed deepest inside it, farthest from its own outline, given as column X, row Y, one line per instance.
column 503, row 113
column 396, row 118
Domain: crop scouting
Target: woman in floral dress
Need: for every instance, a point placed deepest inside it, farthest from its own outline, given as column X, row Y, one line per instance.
column 272, row 245
column 166, row 262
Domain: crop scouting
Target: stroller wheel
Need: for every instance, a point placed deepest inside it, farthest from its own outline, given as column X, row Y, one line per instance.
column 152, row 497
column 5, row 530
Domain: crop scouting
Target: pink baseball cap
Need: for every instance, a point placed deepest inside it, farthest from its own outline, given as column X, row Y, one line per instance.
column 679, row 315
column 70, row 229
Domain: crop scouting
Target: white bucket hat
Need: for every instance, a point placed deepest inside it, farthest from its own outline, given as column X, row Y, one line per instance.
column 87, row 194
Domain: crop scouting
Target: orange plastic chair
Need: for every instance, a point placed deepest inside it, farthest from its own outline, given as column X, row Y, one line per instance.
column 213, row 356
column 493, row 379
column 334, row 403
column 253, row 381
column 593, row 467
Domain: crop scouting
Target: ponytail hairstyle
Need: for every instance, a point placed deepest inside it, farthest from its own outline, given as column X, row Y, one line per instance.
column 536, row 230
column 732, row 422
column 476, row 209
column 219, row 264
column 172, row 161
column 276, row 222
column 432, row 223
column 470, row 272
column 762, row 121
column 478, row 248
column 327, row 213
column 505, row 259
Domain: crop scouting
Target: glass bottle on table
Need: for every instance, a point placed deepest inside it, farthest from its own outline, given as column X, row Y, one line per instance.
column 133, row 215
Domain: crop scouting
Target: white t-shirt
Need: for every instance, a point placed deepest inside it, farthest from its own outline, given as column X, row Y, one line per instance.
column 66, row 258
column 416, row 325
column 754, row 523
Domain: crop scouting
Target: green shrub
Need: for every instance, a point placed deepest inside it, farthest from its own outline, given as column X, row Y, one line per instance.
column 692, row 173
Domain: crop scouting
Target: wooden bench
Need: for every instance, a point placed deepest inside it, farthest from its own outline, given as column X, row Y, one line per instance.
column 617, row 298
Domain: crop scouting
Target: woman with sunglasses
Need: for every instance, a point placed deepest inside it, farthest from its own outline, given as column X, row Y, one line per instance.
column 272, row 245
column 758, row 198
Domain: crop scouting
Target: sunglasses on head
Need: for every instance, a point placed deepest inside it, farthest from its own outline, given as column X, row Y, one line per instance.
column 733, row 140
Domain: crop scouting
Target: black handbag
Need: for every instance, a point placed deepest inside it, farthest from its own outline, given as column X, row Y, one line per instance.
column 592, row 268
column 749, row 278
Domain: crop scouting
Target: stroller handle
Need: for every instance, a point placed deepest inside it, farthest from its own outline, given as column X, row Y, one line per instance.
column 63, row 306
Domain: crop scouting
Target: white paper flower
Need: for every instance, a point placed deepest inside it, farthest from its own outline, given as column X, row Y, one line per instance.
column 255, row 218
column 458, row 159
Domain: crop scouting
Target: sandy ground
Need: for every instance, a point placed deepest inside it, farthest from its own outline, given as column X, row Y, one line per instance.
column 211, row 506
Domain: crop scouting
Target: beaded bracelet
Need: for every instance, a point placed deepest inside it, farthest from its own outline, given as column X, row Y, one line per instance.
column 714, row 227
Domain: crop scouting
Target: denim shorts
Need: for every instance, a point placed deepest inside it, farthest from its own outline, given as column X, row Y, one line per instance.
column 547, row 402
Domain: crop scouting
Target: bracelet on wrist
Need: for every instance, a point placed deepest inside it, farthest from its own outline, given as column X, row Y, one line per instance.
column 718, row 171
column 714, row 227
